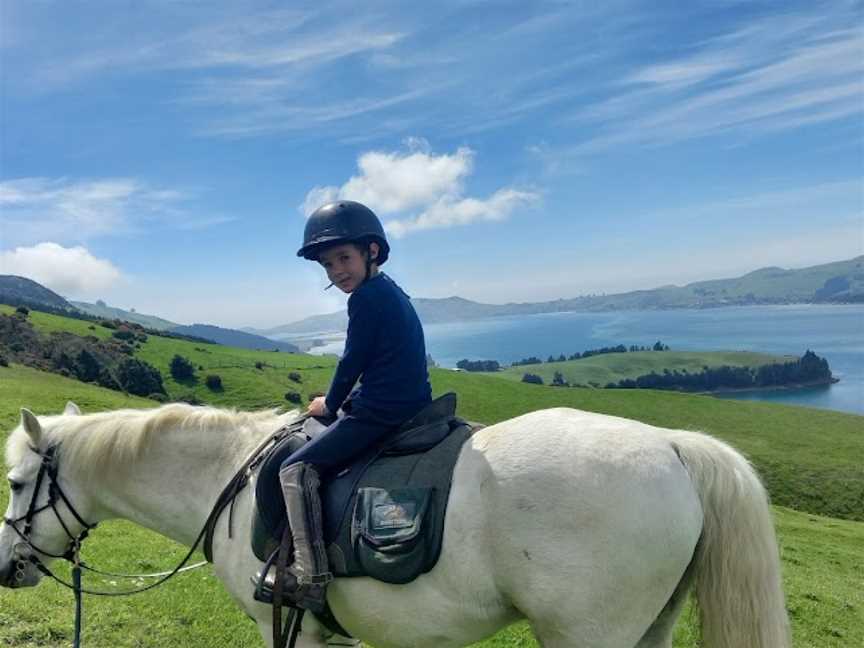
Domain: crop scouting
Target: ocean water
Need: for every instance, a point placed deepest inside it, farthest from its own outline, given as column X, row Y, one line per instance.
column 833, row 332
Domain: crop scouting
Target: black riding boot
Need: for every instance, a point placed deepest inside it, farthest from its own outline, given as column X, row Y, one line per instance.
column 307, row 578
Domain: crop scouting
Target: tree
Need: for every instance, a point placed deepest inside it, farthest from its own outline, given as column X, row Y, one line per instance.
column 213, row 382
column 478, row 365
column 181, row 368
column 558, row 380
column 139, row 378
column 534, row 379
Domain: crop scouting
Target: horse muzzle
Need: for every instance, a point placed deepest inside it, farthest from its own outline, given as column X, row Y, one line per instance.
column 18, row 573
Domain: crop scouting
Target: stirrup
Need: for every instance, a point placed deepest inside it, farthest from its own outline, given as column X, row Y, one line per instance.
column 264, row 580
column 307, row 597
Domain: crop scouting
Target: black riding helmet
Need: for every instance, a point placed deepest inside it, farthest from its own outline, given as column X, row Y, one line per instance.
column 342, row 222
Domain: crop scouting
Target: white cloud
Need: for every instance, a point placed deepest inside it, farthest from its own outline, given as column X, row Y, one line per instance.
column 391, row 182
column 71, row 272
column 448, row 213
column 35, row 209
column 397, row 182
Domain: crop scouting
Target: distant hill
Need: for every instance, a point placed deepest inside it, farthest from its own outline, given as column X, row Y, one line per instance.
column 840, row 283
column 19, row 291
column 231, row 337
column 101, row 309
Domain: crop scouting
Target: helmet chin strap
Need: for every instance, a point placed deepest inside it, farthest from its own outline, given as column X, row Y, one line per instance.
column 369, row 261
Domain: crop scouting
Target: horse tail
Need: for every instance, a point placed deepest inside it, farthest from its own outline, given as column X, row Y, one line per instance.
column 737, row 563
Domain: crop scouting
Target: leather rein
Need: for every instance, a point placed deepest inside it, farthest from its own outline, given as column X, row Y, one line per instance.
column 49, row 469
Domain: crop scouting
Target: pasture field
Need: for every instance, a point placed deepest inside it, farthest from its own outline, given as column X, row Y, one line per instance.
column 810, row 460
column 601, row 369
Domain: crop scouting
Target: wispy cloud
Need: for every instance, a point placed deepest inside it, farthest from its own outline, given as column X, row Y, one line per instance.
column 60, row 209
column 762, row 78
column 397, row 183
column 265, row 40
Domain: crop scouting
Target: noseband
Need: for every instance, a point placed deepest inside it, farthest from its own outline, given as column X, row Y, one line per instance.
column 55, row 493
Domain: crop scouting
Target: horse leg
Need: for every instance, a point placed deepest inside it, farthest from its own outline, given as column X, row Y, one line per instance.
column 659, row 635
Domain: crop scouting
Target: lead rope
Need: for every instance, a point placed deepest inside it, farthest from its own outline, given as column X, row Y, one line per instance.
column 79, row 607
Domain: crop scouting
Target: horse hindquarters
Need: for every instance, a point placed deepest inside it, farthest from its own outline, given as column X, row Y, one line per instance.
column 737, row 570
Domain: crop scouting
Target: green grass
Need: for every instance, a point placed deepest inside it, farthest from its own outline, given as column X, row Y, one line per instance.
column 810, row 460
column 599, row 370
column 243, row 384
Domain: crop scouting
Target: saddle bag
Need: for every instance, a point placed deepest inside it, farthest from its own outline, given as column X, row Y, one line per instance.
column 388, row 532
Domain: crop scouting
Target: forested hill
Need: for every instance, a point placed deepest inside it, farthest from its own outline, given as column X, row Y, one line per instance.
column 20, row 291
column 841, row 282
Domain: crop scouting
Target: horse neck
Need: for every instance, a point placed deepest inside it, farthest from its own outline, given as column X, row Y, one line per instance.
column 174, row 484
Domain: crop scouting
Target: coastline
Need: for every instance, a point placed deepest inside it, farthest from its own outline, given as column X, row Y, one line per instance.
column 772, row 388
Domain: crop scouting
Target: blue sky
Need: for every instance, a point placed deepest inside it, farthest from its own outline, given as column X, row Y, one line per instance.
column 164, row 155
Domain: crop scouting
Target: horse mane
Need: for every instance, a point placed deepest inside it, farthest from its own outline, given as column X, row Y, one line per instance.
column 118, row 437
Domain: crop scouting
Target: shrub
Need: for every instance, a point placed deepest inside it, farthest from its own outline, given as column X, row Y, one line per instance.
column 108, row 324
column 3, row 361
column 23, row 311
column 293, row 397
column 181, row 368
column 86, row 366
column 189, row 398
column 534, row 379
column 213, row 382
column 295, row 377
column 139, row 378
column 259, row 365
column 162, row 398
column 124, row 334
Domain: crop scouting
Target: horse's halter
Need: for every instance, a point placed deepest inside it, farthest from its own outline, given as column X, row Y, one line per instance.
column 48, row 468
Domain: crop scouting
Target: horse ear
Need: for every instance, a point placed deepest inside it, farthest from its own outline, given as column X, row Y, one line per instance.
column 31, row 426
column 72, row 409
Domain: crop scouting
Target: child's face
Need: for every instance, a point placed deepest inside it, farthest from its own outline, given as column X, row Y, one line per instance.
column 345, row 266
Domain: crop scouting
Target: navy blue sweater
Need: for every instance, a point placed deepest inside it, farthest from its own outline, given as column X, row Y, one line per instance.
column 386, row 350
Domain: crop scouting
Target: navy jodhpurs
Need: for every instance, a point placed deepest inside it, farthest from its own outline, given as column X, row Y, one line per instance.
column 336, row 446
column 330, row 451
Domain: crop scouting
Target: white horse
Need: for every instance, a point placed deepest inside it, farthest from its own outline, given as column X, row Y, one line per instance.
column 591, row 527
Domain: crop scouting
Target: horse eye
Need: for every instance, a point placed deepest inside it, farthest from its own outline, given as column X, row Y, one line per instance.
column 15, row 486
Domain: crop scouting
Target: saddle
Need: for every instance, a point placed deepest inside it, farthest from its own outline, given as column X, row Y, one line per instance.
column 383, row 513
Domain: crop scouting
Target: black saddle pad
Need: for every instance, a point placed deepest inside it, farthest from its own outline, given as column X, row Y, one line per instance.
column 404, row 485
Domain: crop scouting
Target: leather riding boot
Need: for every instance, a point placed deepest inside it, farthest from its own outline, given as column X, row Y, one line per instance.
column 306, row 581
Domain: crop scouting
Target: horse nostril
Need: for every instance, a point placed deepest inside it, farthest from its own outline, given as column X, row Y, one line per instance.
column 20, row 566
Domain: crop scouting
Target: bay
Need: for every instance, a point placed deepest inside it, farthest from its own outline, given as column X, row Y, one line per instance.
column 833, row 332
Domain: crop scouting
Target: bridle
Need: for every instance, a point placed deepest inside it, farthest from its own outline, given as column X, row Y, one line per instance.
column 48, row 468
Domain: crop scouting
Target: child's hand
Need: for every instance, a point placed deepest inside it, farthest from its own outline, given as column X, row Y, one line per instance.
column 317, row 407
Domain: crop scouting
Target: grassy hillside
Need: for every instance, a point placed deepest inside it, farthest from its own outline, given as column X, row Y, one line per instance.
column 243, row 384
column 598, row 370
column 821, row 556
